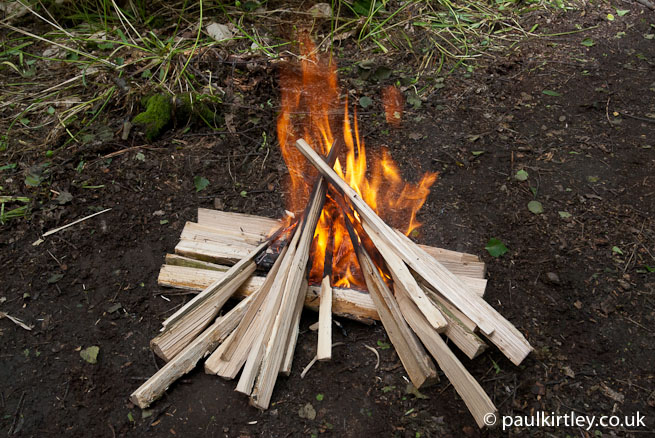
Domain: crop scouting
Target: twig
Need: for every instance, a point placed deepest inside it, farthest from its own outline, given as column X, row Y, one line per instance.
column 16, row 414
column 376, row 355
column 315, row 359
column 48, row 233
column 646, row 3
column 15, row 321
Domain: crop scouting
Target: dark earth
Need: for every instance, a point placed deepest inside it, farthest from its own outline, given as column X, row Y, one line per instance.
column 577, row 280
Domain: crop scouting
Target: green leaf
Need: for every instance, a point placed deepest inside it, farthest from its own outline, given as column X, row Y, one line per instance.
column 495, row 247
column 383, row 345
column 55, row 278
column 477, row 153
column 521, row 175
column 551, row 93
column 90, row 354
column 535, row 207
column 163, row 222
column 617, row 250
column 588, row 42
column 243, row 193
column 130, row 417
column 414, row 101
column 365, row 101
column 8, row 167
column 200, row 182
column 50, row 110
column 139, row 156
column 649, row 268
column 388, row 389
column 564, row 214
column 319, row 397
column 622, row 12
column 610, row 17
column 32, row 180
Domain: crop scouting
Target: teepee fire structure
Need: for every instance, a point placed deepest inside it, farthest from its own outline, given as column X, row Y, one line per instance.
column 339, row 252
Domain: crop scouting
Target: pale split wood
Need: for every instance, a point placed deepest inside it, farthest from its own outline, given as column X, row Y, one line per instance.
column 184, row 329
column 187, row 359
column 246, row 264
column 404, row 279
column 274, row 352
column 292, row 340
column 267, row 318
column 347, row 303
column 238, row 222
column 417, row 363
column 475, row 398
column 229, row 251
column 509, row 340
column 248, row 318
column 202, row 233
column 188, row 262
column 324, row 347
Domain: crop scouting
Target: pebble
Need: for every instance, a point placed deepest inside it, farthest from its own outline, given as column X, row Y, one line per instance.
column 624, row 284
column 552, row 278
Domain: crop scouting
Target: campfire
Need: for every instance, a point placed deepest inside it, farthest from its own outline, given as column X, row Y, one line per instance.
column 342, row 249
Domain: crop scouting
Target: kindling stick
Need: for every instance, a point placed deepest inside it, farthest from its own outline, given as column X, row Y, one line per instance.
column 508, row 339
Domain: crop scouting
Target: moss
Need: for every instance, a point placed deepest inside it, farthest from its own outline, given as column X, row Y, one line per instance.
column 156, row 116
column 196, row 108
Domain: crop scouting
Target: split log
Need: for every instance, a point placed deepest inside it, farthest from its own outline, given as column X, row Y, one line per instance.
column 324, row 348
column 194, row 318
column 347, row 303
column 508, row 339
column 222, row 249
column 187, row 359
column 292, row 339
column 275, row 345
column 403, row 279
column 475, row 398
column 417, row 363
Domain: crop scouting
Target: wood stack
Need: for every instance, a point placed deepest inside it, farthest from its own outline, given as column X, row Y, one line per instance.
column 429, row 292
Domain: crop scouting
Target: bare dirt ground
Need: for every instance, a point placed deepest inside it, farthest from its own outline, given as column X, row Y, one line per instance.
column 577, row 280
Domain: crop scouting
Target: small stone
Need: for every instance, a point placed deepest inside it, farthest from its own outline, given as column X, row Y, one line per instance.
column 562, row 118
column 552, row 278
column 624, row 285
column 219, row 204
column 578, row 304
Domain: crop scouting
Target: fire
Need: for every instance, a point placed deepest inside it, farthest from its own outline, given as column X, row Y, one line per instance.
column 311, row 109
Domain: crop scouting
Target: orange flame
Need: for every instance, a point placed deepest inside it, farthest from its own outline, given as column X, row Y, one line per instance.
column 311, row 110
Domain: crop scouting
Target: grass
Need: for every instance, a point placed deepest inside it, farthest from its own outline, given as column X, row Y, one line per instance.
column 66, row 68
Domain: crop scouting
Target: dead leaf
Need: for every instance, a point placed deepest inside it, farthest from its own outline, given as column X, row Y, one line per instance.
column 90, row 354
column 321, row 10
column 307, row 412
column 609, row 392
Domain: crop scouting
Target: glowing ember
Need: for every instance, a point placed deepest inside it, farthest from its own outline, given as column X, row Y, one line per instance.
column 311, row 110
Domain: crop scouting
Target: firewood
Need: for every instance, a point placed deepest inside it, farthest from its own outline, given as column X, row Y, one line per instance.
column 347, row 303
column 508, row 339
column 222, row 249
column 183, row 329
column 324, row 348
column 417, row 363
column 246, row 264
column 275, row 345
column 403, row 278
column 292, row 339
column 187, row 359
column 475, row 398
column 267, row 318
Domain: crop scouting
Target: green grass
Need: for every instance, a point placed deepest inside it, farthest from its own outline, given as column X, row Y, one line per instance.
column 108, row 57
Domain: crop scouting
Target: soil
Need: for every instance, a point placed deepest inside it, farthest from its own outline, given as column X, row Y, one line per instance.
column 577, row 279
